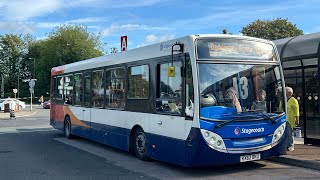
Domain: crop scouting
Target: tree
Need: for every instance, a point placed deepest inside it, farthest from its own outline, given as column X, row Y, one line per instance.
column 275, row 29
column 65, row 44
column 13, row 50
column 225, row 31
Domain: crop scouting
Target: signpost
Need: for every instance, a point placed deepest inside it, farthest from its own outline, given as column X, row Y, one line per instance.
column 32, row 83
column 15, row 92
column 124, row 43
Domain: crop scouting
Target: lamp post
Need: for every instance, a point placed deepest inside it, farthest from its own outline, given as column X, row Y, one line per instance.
column 34, row 67
column 32, row 81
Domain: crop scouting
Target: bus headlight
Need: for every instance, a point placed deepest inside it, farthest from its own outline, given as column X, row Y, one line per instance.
column 213, row 140
column 278, row 133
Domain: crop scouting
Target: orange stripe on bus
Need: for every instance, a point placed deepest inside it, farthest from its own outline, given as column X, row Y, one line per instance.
column 73, row 118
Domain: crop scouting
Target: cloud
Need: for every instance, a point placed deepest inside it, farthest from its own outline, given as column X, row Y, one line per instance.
column 240, row 15
column 108, row 4
column 22, row 10
column 46, row 24
column 123, row 29
column 16, row 28
column 152, row 39
column 87, row 20
column 30, row 26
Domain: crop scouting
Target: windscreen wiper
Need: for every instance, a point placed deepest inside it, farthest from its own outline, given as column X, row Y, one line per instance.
column 236, row 119
column 264, row 115
column 224, row 123
column 269, row 118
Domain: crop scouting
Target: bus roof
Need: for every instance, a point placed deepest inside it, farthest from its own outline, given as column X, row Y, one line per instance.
column 145, row 52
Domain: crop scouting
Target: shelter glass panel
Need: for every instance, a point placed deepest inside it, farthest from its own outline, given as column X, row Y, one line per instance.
column 312, row 103
column 295, row 63
column 309, row 62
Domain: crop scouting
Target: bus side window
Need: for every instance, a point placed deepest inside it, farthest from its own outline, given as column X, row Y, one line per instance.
column 78, row 89
column 115, row 88
column 68, row 89
column 97, row 89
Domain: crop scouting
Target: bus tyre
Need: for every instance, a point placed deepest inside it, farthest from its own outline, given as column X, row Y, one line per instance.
column 140, row 144
column 67, row 127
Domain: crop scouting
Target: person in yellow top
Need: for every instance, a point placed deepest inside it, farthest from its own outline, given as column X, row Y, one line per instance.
column 292, row 116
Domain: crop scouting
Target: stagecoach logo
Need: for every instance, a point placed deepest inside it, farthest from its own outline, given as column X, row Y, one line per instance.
column 166, row 47
column 238, row 131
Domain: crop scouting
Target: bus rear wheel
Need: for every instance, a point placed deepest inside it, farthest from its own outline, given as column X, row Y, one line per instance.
column 67, row 127
column 140, row 145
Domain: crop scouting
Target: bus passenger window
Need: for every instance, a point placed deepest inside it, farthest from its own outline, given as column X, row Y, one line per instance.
column 97, row 89
column 78, row 89
column 138, row 82
column 115, row 88
column 68, row 89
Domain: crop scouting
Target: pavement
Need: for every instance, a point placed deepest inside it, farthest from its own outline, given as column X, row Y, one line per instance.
column 304, row 155
column 22, row 113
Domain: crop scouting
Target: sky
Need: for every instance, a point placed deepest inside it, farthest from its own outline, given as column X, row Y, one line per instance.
column 150, row 21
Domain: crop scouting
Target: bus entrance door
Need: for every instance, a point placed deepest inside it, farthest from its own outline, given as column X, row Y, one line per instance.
column 168, row 137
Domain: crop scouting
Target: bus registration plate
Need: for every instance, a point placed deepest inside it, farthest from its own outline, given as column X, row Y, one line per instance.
column 251, row 157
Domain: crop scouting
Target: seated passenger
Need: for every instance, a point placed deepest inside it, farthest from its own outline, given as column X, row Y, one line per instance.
column 231, row 94
column 260, row 104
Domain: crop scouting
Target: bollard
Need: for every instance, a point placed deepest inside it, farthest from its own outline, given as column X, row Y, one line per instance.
column 297, row 132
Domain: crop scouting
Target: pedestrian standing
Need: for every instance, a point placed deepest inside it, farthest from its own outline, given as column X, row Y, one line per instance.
column 12, row 108
column 41, row 100
column 292, row 116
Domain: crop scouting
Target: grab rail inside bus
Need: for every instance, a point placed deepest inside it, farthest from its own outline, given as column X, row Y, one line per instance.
column 171, row 69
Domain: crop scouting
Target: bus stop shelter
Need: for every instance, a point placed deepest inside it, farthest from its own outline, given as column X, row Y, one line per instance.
column 300, row 57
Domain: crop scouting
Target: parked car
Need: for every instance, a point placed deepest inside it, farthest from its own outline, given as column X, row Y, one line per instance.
column 46, row 104
column 21, row 104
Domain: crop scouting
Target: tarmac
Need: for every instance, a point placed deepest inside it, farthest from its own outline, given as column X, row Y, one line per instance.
column 304, row 155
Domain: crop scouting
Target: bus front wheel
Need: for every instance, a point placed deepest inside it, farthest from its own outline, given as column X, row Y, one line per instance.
column 67, row 127
column 140, row 144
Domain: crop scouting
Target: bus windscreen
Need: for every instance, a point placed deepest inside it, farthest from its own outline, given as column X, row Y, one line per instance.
column 234, row 49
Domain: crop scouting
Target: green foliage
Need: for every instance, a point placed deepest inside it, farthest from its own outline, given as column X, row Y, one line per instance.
column 276, row 29
column 65, row 44
column 225, row 31
column 13, row 50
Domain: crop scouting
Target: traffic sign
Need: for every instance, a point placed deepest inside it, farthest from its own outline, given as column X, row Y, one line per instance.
column 15, row 91
column 32, row 83
column 31, row 90
column 124, row 43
